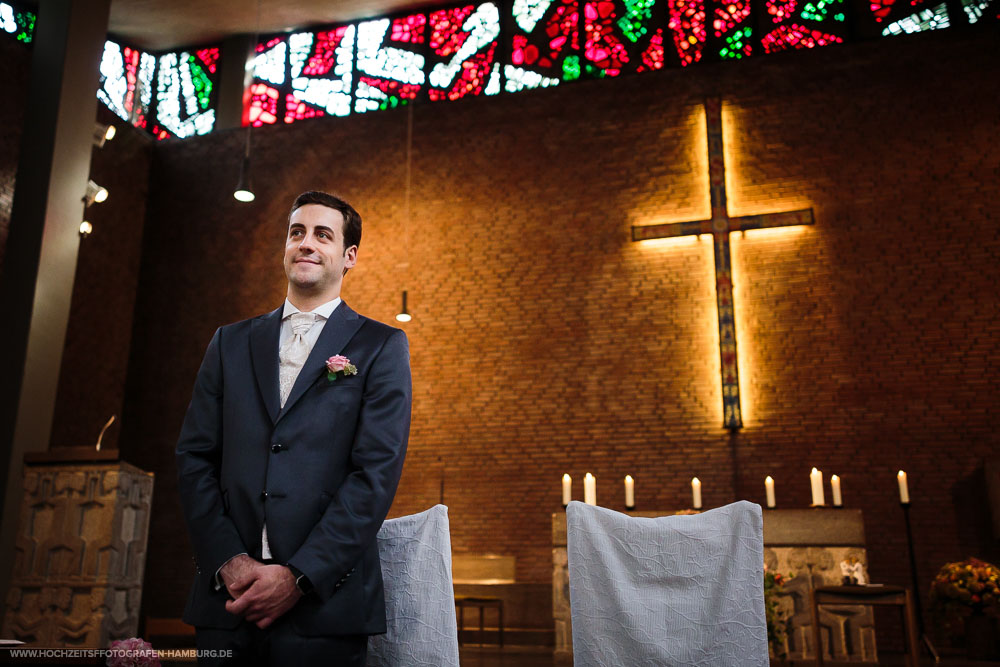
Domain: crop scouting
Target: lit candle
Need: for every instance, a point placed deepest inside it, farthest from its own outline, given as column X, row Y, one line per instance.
column 904, row 490
column 567, row 489
column 835, row 487
column 816, row 481
column 769, row 488
column 589, row 489
column 696, row 493
column 629, row 491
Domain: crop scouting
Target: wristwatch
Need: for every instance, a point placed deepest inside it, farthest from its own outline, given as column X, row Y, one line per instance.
column 301, row 580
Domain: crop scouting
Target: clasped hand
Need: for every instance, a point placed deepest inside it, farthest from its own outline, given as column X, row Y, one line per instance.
column 262, row 593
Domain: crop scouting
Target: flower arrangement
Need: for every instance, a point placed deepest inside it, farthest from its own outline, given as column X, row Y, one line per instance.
column 777, row 621
column 133, row 652
column 965, row 588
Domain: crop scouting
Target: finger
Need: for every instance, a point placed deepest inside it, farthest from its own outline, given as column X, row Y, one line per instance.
column 263, row 623
column 239, row 605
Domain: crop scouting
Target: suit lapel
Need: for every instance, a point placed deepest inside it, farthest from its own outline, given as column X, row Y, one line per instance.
column 337, row 333
column 264, row 334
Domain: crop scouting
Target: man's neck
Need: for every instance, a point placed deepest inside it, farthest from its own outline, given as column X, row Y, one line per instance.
column 308, row 302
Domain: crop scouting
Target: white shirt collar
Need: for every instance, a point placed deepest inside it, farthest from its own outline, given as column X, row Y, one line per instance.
column 323, row 311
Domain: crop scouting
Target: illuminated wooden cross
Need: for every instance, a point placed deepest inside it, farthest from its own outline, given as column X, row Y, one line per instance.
column 720, row 226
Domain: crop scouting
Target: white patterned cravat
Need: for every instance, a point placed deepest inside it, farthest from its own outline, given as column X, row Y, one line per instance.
column 294, row 353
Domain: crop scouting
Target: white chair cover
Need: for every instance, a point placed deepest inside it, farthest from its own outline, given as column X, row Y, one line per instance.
column 675, row 590
column 415, row 552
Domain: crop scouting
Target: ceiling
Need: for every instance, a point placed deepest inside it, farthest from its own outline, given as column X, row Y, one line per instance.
column 158, row 25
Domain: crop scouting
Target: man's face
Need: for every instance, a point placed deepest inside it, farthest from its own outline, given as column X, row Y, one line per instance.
column 315, row 257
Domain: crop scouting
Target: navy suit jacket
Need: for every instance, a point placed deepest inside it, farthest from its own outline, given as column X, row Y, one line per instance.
column 322, row 471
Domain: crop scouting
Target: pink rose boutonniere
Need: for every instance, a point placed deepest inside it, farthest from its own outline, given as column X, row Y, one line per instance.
column 339, row 366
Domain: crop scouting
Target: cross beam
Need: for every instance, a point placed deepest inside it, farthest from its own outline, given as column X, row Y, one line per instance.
column 720, row 226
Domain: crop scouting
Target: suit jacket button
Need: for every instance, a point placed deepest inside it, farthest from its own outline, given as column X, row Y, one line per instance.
column 277, row 447
column 263, row 495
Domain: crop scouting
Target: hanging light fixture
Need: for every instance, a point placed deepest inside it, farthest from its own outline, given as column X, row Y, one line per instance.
column 244, row 188
column 404, row 315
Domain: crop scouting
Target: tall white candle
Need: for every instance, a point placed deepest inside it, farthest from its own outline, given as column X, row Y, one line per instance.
column 589, row 489
column 769, row 488
column 629, row 491
column 835, row 487
column 696, row 493
column 904, row 490
column 567, row 488
column 816, row 481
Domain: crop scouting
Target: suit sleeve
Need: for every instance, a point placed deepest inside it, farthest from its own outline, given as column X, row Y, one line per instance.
column 355, row 514
column 199, row 458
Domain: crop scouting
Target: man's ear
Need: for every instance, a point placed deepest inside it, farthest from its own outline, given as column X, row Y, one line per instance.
column 350, row 257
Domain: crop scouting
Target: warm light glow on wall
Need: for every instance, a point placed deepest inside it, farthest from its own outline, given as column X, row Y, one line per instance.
column 709, row 324
column 690, row 200
column 746, row 193
column 662, row 245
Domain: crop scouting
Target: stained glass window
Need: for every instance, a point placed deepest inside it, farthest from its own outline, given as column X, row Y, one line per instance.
column 927, row 19
column 17, row 23
column 687, row 26
column 544, row 44
column 975, row 9
column 321, row 69
column 126, row 83
column 302, row 75
column 462, row 57
column 622, row 36
column 185, row 93
column 390, row 62
column 805, row 24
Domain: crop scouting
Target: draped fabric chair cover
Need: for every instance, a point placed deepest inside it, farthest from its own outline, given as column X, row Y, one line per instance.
column 675, row 590
column 419, row 596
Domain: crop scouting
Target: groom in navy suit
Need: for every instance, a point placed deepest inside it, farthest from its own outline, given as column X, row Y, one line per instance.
column 288, row 461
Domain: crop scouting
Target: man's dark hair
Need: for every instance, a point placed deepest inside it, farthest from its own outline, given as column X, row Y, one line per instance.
column 352, row 220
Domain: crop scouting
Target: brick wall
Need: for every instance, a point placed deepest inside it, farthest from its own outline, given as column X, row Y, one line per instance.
column 545, row 342
column 15, row 72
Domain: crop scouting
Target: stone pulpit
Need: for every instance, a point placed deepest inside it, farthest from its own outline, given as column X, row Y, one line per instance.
column 80, row 550
column 807, row 547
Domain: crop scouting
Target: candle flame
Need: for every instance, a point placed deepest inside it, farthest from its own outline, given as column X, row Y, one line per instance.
column 588, row 476
column 901, row 474
column 628, row 478
column 695, row 480
column 834, row 477
column 814, row 471
column 768, row 479
column 566, row 477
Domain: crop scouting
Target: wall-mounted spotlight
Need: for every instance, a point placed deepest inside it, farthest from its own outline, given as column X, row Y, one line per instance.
column 103, row 133
column 85, row 229
column 404, row 315
column 95, row 194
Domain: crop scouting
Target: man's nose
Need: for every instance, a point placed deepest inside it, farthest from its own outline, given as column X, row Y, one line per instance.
column 306, row 243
